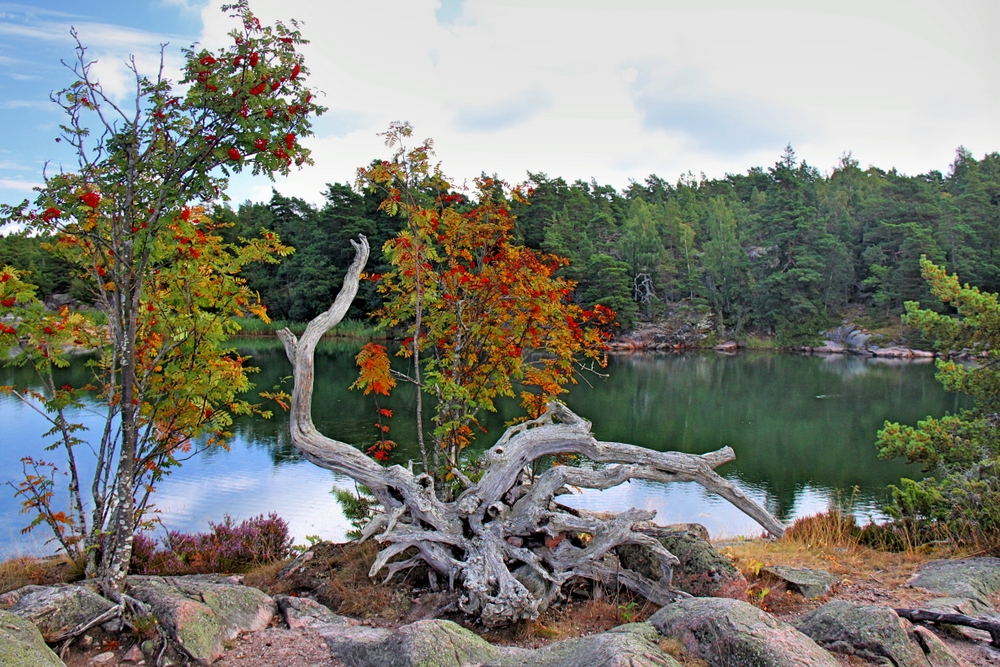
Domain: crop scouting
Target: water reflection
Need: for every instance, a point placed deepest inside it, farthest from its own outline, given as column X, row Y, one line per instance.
column 802, row 427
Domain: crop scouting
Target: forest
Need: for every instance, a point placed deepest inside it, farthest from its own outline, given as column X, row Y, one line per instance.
column 778, row 251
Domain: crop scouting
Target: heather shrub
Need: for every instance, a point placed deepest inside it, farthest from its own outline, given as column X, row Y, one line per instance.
column 228, row 547
column 256, row 541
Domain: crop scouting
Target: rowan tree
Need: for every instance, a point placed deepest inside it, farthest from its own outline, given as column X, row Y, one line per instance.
column 485, row 317
column 129, row 218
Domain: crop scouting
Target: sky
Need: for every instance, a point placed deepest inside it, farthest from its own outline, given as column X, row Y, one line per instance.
column 612, row 90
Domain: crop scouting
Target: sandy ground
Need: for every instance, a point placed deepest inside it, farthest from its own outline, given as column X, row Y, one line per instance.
column 279, row 647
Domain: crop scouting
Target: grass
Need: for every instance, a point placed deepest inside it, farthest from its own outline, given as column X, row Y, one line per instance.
column 754, row 342
column 251, row 326
column 675, row 648
column 27, row 570
column 337, row 575
column 830, row 541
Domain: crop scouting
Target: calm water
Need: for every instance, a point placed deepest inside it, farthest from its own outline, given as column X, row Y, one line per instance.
column 802, row 427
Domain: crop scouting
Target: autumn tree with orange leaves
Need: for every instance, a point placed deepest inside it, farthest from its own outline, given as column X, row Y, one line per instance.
column 132, row 219
column 485, row 317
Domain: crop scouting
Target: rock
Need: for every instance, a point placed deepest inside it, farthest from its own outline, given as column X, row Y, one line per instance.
column 895, row 352
column 874, row 633
column 533, row 581
column 432, row 643
column 631, row 645
column 857, row 340
column 728, row 346
column 344, row 636
column 829, row 348
column 439, row 643
column 731, row 633
column 303, row 613
column 57, row 301
column 202, row 613
column 105, row 658
column 937, row 652
column 702, row 571
column 966, row 587
column 922, row 354
column 56, row 610
column 113, row 626
column 134, row 654
column 21, row 644
column 967, row 606
column 10, row 598
column 971, row 578
column 809, row 583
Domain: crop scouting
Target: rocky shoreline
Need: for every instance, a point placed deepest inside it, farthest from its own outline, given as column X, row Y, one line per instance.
column 846, row 339
column 201, row 618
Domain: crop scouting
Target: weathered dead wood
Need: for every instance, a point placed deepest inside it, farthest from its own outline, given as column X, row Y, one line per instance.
column 508, row 520
column 927, row 616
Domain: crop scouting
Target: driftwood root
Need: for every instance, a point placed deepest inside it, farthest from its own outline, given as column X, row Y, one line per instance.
column 508, row 520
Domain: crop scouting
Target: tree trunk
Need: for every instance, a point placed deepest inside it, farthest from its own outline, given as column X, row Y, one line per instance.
column 507, row 522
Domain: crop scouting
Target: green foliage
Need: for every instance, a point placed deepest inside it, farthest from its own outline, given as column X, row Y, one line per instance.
column 359, row 508
column 51, row 274
column 961, row 453
column 306, row 283
column 348, row 328
column 777, row 251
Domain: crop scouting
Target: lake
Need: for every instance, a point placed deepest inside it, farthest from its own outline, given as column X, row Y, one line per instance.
column 802, row 427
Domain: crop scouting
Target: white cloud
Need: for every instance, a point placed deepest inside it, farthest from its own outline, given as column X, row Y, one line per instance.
column 34, row 105
column 109, row 46
column 620, row 89
column 18, row 185
column 615, row 89
column 186, row 5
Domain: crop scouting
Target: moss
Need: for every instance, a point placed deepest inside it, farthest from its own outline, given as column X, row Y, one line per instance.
column 21, row 644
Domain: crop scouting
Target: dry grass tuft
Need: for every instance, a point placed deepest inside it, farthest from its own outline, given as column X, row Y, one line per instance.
column 337, row 576
column 675, row 649
column 830, row 541
column 832, row 528
column 25, row 571
column 264, row 576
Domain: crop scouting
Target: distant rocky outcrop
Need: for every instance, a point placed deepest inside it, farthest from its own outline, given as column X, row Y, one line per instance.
column 850, row 339
column 673, row 334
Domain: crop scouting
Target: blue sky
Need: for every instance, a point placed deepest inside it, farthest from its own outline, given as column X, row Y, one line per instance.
column 610, row 89
column 34, row 38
